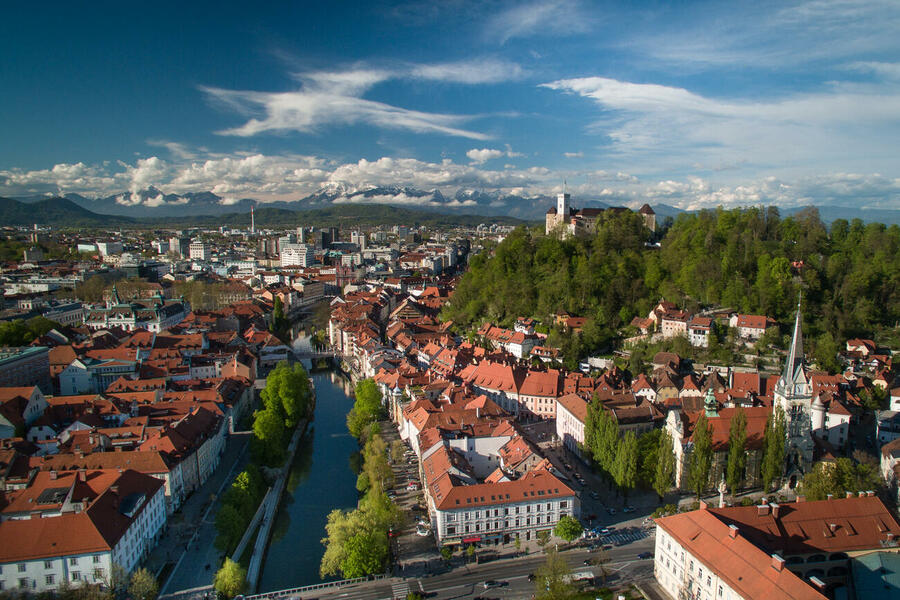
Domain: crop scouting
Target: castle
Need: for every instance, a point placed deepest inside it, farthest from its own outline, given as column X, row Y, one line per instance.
column 584, row 221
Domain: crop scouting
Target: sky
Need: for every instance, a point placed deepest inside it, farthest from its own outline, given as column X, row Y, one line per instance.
column 691, row 104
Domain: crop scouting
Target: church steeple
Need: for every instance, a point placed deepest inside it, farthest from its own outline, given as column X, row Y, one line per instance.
column 795, row 354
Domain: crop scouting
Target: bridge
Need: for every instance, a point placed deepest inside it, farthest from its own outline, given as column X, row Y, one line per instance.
column 313, row 354
column 207, row 592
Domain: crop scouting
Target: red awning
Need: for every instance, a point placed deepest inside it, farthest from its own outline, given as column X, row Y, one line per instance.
column 476, row 538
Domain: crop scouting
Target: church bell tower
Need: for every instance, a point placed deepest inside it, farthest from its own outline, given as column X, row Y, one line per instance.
column 793, row 395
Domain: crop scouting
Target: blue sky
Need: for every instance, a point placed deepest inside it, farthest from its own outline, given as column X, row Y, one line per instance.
column 689, row 103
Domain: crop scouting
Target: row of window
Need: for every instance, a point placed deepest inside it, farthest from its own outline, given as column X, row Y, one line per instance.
column 48, row 564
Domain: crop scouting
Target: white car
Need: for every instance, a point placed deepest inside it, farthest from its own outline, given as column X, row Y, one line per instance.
column 422, row 530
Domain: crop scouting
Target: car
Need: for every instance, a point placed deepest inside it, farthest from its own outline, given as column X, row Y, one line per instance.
column 628, row 509
column 603, row 531
column 531, row 577
column 645, row 555
column 586, row 562
column 412, row 486
column 611, row 510
column 491, row 583
column 422, row 531
column 595, row 495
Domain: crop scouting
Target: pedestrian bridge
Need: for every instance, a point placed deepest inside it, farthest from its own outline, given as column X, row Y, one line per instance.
column 207, row 592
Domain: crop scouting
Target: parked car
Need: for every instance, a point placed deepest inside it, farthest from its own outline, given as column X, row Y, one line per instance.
column 423, row 531
column 611, row 510
column 595, row 495
column 628, row 509
column 412, row 486
column 491, row 583
column 644, row 555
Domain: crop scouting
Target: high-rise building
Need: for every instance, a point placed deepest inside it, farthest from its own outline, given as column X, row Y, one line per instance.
column 199, row 250
column 297, row 255
column 179, row 245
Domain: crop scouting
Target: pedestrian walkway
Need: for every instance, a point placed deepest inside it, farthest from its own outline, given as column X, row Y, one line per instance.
column 399, row 589
column 625, row 536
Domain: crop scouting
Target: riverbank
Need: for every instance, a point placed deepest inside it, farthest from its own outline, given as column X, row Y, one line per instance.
column 319, row 481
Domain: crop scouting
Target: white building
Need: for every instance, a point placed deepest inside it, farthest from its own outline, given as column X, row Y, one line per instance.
column 109, row 248
column 72, row 527
column 501, row 511
column 571, row 412
column 293, row 255
column 199, row 250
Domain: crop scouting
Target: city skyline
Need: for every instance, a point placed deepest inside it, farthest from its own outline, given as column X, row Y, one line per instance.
column 699, row 106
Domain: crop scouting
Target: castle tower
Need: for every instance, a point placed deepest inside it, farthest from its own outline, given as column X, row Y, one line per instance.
column 562, row 204
column 793, row 395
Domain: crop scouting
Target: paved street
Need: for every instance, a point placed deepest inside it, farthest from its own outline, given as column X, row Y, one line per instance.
column 188, row 543
column 465, row 581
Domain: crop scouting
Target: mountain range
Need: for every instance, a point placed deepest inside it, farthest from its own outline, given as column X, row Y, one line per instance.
column 153, row 203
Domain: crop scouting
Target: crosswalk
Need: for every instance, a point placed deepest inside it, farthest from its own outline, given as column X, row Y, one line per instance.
column 625, row 536
column 399, row 590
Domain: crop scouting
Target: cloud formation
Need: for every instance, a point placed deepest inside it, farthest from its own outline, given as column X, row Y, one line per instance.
column 291, row 177
column 842, row 125
column 544, row 17
column 334, row 98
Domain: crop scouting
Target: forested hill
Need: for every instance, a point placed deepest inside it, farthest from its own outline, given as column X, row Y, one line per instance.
column 740, row 258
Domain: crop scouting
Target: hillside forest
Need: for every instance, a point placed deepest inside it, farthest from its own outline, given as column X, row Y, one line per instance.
column 750, row 260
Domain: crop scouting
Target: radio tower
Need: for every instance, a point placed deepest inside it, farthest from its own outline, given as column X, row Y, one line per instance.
column 252, row 221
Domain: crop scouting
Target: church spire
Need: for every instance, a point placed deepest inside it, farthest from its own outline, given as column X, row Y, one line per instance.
column 795, row 354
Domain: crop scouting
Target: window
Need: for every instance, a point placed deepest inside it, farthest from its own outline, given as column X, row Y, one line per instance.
column 76, row 576
column 563, row 504
column 96, row 559
column 21, row 567
column 48, row 579
column 23, row 582
column 451, row 530
column 73, row 561
column 721, row 591
column 708, row 581
column 98, row 574
column 48, row 564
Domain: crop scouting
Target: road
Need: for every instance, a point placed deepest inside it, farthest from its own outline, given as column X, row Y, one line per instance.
column 465, row 581
column 189, row 540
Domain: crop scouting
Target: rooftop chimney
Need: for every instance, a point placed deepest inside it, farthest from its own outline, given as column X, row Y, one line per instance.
column 861, row 494
column 53, row 475
column 732, row 531
column 849, row 494
column 762, row 510
column 832, row 527
column 777, row 562
column 830, row 497
column 775, row 510
column 870, row 493
column 817, row 583
column 82, row 474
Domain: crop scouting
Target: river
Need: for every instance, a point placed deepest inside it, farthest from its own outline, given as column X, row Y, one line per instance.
column 320, row 481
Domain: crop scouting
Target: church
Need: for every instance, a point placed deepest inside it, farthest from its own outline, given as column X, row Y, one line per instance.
column 818, row 409
column 583, row 221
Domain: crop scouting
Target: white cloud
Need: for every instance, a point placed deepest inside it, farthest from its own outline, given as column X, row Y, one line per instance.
column 573, row 154
column 887, row 70
column 545, row 17
column 481, row 156
column 291, row 177
column 328, row 98
column 826, row 130
column 486, row 70
column 484, row 155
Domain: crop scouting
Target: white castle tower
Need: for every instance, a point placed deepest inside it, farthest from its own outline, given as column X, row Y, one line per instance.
column 562, row 204
column 793, row 395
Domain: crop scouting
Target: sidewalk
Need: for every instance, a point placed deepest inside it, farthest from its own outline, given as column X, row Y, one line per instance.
column 187, row 526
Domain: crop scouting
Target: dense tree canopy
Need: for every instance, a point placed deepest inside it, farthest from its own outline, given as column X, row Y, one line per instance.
column 745, row 259
column 22, row 333
column 366, row 408
column 840, row 477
